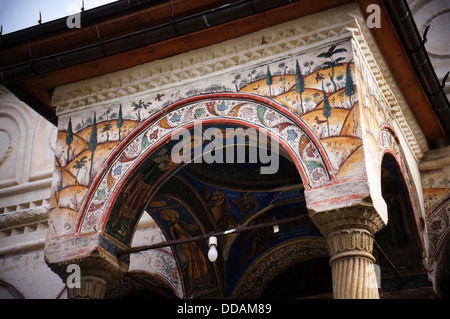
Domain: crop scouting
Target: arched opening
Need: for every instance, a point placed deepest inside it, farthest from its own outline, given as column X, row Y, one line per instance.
column 439, row 235
column 198, row 198
column 139, row 149
column 187, row 198
column 307, row 279
column 397, row 247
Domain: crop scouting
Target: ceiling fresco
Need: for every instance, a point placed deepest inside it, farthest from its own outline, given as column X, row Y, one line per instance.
column 181, row 204
column 200, row 198
column 309, row 100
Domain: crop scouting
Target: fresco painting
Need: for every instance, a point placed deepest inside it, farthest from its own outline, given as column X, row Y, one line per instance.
column 161, row 262
column 177, row 223
column 249, row 246
column 328, row 90
column 399, row 238
column 231, row 207
column 244, row 112
column 115, row 162
column 77, row 159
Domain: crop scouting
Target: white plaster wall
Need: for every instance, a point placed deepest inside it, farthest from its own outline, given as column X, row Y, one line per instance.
column 26, row 170
column 26, row 155
column 30, row 275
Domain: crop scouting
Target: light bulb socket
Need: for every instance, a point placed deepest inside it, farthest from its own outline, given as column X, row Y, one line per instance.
column 212, row 241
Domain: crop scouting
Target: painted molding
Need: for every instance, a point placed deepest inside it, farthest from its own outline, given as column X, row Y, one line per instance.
column 281, row 41
column 397, row 107
column 115, row 171
column 248, row 51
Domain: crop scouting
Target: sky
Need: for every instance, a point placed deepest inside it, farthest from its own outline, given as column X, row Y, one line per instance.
column 20, row 14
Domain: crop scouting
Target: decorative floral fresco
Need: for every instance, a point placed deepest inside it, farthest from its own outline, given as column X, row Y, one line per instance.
column 324, row 106
column 318, row 88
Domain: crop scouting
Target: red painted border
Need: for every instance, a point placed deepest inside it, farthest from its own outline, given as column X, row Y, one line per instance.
column 389, row 152
column 160, row 114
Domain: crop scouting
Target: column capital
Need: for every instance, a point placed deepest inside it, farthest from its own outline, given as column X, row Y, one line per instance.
column 355, row 242
column 95, row 271
column 350, row 217
column 349, row 234
column 91, row 288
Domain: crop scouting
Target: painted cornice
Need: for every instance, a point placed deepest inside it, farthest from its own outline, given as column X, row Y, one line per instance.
column 293, row 37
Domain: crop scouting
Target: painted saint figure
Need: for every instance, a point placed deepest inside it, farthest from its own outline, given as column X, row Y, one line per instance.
column 196, row 269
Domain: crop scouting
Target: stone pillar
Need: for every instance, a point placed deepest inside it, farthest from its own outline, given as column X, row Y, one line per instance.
column 349, row 234
column 91, row 288
column 352, row 264
column 95, row 274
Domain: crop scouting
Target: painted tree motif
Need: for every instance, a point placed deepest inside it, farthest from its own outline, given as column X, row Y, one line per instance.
column 299, row 84
column 92, row 145
column 269, row 81
column 308, row 65
column 332, row 63
column 106, row 128
column 69, row 137
column 349, row 86
column 283, row 67
column 79, row 165
column 326, row 109
column 119, row 122
column 139, row 106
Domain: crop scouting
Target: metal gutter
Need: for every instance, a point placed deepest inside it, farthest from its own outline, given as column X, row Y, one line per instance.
column 415, row 47
column 88, row 17
column 170, row 30
column 9, row 76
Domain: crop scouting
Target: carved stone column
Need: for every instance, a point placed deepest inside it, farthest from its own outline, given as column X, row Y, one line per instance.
column 95, row 273
column 349, row 233
column 352, row 264
column 91, row 288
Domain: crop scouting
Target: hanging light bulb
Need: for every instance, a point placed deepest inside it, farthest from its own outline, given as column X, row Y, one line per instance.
column 212, row 253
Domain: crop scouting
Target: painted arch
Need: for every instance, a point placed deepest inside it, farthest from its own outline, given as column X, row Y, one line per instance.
column 245, row 110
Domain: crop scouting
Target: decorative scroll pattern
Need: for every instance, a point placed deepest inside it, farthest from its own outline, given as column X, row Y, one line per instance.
column 246, row 112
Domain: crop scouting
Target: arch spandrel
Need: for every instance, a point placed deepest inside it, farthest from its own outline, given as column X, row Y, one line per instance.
column 241, row 109
column 326, row 148
column 329, row 149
